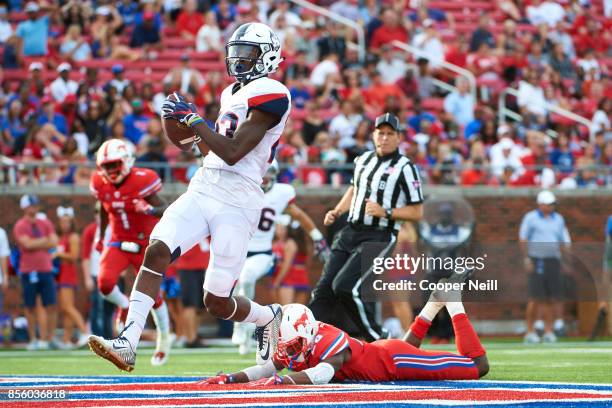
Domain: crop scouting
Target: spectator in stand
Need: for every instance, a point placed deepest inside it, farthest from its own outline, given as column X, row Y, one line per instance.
column 136, row 122
column 189, row 20
column 283, row 8
column 429, row 43
column 419, row 115
column 101, row 312
column 343, row 126
column 561, row 63
column 12, row 55
column 531, row 95
column 460, row 103
column 14, row 129
column 378, row 93
column 391, row 29
column 332, row 41
column 601, row 119
column 313, row 122
column 75, row 46
column 34, row 31
column 95, row 126
column 484, row 63
column 226, row 13
column 361, row 141
column 391, row 67
column 154, row 153
column 63, row 85
column 128, row 10
column 536, row 58
column 209, row 37
column 119, row 82
column 300, row 93
column 67, row 280
column 482, row 34
column 423, row 12
column 36, row 78
column 298, row 68
column 35, row 236
column 327, row 66
column 43, row 141
column 346, row 8
column 535, row 160
column 423, row 79
column 505, row 154
column 562, row 157
column 547, row 12
column 186, row 79
column 560, row 35
column 49, row 115
column 6, row 30
column 146, row 35
column 589, row 65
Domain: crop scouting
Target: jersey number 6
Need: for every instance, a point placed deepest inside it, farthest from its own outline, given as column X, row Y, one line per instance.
column 266, row 221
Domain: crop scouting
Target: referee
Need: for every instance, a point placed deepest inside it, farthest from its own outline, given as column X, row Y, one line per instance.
column 385, row 191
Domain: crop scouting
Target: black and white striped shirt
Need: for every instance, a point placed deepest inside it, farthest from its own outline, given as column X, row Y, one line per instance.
column 392, row 181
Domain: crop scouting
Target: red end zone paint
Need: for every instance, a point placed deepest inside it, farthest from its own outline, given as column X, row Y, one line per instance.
column 121, row 395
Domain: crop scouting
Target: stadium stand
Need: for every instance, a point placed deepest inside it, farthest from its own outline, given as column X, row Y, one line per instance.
column 557, row 59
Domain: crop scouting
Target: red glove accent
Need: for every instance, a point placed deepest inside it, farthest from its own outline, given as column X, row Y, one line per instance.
column 99, row 246
column 216, row 380
column 267, row 382
column 142, row 207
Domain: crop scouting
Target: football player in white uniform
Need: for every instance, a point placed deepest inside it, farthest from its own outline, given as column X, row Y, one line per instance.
column 224, row 199
column 279, row 198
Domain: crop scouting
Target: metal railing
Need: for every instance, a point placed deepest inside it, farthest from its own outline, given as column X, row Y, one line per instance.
column 12, row 173
column 361, row 44
column 444, row 64
column 504, row 112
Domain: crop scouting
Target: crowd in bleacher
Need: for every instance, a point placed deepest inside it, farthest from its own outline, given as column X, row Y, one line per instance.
column 76, row 73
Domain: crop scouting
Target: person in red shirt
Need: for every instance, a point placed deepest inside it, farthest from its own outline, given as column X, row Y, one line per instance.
column 391, row 29
column 131, row 207
column 189, row 20
column 319, row 353
column 67, row 279
column 191, row 268
column 291, row 276
column 35, row 236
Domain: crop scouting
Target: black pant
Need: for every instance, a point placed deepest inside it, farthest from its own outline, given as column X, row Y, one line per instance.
column 340, row 283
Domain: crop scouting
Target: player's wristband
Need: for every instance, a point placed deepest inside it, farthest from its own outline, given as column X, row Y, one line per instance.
column 193, row 119
column 316, row 235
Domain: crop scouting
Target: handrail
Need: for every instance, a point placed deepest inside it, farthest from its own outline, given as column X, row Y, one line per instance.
column 445, row 64
column 342, row 20
column 503, row 111
column 445, row 86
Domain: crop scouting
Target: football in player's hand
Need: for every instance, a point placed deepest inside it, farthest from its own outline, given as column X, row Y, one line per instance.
column 178, row 133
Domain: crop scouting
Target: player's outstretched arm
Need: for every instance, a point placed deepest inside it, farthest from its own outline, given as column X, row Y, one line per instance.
column 343, row 206
column 253, row 373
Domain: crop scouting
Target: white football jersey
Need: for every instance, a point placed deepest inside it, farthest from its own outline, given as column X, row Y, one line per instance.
column 243, row 187
column 275, row 202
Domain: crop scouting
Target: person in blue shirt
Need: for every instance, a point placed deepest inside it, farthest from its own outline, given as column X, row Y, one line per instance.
column 34, row 31
column 146, row 34
column 136, row 122
column 48, row 115
column 128, row 10
column 14, row 129
column 561, row 157
column 299, row 93
column 419, row 115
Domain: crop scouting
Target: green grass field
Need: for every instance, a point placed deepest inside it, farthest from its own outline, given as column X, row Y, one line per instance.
column 565, row 362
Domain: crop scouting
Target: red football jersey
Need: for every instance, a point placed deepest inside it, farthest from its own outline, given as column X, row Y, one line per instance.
column 368, row 361
column 125, row 223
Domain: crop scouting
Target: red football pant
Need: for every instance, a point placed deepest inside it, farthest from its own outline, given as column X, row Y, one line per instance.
column 412, row 363
column 112, row 264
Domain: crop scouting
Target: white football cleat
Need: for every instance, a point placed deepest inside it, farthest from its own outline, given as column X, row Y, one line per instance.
column 531, row 338
column 32, row 345
column 118, row 351
column 162, row 349
column 83, row 340
column 549, row 338
column 267, row 336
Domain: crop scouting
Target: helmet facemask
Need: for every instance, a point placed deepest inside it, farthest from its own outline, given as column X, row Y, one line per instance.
column 243, row 60
column 269, row 179
column 114, row 171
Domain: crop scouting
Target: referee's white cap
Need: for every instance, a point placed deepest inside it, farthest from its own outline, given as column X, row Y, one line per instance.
column 546, row 197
